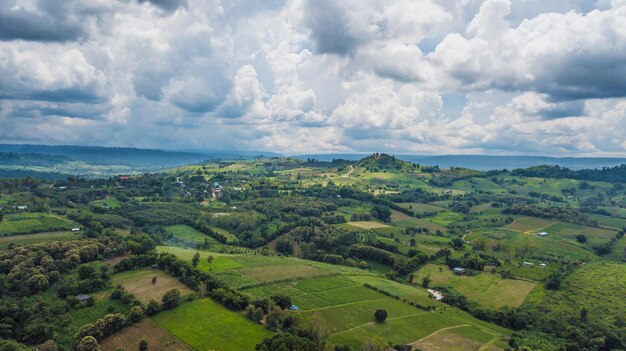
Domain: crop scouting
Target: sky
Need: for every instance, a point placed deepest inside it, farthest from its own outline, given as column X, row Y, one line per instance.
column 498, row 77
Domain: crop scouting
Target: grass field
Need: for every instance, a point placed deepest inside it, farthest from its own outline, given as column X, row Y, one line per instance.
column 189, row 235
column 32, row 223
column 29, row 239
column 368, row 225
column 109, row 202
column 130, row 337
column 445, row 217
column 489, row 290
column 206, row 325
column 530, row 225
column 263, row 268
column 139, row 283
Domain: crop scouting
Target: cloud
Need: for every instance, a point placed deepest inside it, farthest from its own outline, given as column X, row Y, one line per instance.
column 167, row 5
column 302, row 76
column 567, row 56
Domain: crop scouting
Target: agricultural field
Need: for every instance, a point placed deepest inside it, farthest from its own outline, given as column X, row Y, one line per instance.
column 139, row 283
column 30, row 239
column 206, row 325
column 489, row 290
column 79, row 317
column 294, row 228
column 27, row 223
column 346, row 308
column 130, row 337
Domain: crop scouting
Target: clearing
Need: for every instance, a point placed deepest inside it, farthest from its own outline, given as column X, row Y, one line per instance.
column 139, row 283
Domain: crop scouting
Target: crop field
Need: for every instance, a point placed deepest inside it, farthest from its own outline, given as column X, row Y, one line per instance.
column 270, row 273
column 346, row 309
column 612, row 222
column 130, row 337
column 33, row 223
column 139, row 283
column 29, row 239
column 368, row 225
column 206, row 325
column 314, row 293
column 529, row 225
column 489, row 290
column 82, row 316
column 404, row 291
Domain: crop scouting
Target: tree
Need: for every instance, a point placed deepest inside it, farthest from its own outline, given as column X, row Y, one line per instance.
column 288, row 342
column 282, row 301
column 171, row 299
column 48, row 345
column 426, row 281
column 37, row 283
column 86, row 272
column 210, row 259
column 152, row 308
column 143, row 345
column 581, row 238
column 202, row 289
column 88, row 343
column 195, row 259
column 136, row 314
column 380, row 315
column 154, row 280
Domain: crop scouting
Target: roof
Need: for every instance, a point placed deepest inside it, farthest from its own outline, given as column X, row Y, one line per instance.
column 294, row 308
column 83, row 297
column 528, row 263
column 459, row 269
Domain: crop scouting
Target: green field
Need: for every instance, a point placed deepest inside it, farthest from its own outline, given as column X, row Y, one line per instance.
column 206, row 325
column 246, row 269
column 489, row 290
column 109, row 202
column 29, row 239
column 530, row 225
column 28, row 223
column 188, row 235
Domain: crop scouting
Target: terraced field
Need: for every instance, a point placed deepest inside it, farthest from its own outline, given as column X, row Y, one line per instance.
column 29, row 239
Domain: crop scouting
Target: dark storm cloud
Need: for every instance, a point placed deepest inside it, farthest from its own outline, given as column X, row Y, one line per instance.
column 329, row 28
column 49, row 23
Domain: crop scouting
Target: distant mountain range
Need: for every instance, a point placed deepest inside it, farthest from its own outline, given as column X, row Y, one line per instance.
column 486, row 163
column 131, row 157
